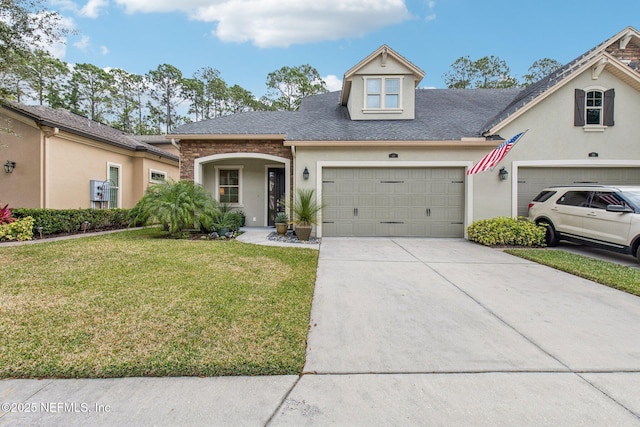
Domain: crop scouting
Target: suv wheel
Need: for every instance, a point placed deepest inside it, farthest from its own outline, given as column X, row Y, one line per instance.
column 551, row 236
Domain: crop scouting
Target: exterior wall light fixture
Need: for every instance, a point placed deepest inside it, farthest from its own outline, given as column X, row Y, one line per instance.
column 503, row 174
column 305, row 173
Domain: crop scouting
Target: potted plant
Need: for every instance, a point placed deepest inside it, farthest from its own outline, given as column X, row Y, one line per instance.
column 305, row 213
column 282, row 223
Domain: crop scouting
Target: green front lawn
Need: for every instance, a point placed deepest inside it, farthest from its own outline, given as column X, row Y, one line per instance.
column 136, row 304
column 616, row 276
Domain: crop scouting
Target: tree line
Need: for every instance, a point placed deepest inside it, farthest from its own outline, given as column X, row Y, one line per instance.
column 164, row 98
column 153, row 103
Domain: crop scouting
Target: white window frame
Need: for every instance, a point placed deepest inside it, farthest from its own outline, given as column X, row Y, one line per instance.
column 111, row 186
column 383, row 95
column 594, row 127
column 158, row 172
column 239, row 168
column 599, row 108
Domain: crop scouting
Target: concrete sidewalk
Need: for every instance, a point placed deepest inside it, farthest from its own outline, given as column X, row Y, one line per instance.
column 403, row 332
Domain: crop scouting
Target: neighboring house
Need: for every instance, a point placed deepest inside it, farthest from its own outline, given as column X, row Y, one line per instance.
column 63, row 161
column 389, row 159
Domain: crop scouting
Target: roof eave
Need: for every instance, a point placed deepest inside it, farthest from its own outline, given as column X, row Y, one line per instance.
column 228, row 136
column 464, row 142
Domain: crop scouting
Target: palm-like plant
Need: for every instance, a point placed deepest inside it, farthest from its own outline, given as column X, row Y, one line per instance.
column 305, row 209
column 176, row 205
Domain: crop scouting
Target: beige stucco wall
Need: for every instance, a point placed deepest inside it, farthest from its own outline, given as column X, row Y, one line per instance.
column 54, row 171
column 551, row 140
column 68, row 187
column 22, row 187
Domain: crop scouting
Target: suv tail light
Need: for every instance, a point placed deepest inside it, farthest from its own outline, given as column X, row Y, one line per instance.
column 530, row 205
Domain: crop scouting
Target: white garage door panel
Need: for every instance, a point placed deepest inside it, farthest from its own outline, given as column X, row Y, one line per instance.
column 393, row 202
column 531, row 180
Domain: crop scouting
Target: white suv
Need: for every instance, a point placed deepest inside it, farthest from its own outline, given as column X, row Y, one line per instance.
column 598, row 215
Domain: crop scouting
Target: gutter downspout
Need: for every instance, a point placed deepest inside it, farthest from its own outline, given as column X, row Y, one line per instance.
column 293, row 180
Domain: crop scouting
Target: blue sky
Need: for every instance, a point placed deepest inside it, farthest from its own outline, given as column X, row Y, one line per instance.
column 247, row 39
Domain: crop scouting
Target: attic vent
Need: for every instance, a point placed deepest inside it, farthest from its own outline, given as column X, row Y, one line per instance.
column 384, row 57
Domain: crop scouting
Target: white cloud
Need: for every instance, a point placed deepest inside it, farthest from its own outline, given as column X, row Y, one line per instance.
column 432, row 15
column 83, row 44
column 104, row 50
column 271, row 23
column 333, row 82
column 93, row 8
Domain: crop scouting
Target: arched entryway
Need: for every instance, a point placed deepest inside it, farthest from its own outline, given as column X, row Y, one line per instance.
column 251, row 182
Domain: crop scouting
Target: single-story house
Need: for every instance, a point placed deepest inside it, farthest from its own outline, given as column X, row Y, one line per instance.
column 65, row 161
column 390, row 159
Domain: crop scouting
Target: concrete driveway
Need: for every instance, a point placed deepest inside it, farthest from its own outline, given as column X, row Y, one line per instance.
column 447, row 332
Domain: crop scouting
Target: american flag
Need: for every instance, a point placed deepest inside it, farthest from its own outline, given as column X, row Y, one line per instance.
column 493, row 157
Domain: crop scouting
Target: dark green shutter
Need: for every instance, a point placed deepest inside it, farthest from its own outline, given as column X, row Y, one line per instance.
column 578, row 113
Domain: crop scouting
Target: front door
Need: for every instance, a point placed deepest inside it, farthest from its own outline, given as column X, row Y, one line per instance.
column 276, row 194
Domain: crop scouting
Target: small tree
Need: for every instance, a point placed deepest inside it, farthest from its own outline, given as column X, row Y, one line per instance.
column 176, row 205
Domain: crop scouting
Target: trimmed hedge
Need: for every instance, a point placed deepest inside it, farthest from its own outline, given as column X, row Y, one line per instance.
column 56, row 221
column 504, row 231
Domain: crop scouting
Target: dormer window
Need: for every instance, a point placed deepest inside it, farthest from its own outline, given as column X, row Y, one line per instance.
column 382, row 93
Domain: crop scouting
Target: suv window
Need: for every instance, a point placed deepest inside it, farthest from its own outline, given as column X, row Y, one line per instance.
column 633, row 196
column 574, row 198
column 544, row 196
column 602, row 199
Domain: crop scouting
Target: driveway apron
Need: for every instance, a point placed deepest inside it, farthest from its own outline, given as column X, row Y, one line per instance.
column 448, row 332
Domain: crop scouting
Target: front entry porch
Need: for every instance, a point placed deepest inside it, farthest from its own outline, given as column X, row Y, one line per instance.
column 255, row 183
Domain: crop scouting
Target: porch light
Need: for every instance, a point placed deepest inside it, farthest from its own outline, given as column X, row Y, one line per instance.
column 9, row 166
column 503, row 174
column 305, row 173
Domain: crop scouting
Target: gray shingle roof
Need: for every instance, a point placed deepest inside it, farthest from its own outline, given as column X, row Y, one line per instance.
column 441, row 114
column 73, row 123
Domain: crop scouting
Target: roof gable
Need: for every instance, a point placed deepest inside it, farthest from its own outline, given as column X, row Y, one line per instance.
column 605, row 56
column 382, row 57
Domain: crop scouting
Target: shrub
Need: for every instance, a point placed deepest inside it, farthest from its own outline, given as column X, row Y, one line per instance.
column 56, row 221
column 6, row 216
column 505, row 231
column 20, row 229
column 177, row 205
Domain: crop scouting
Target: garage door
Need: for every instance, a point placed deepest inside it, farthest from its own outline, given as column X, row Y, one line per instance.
column 367, row 202
column 532, row 180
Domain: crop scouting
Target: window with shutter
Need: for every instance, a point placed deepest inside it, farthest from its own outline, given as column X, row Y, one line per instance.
column 593, row 108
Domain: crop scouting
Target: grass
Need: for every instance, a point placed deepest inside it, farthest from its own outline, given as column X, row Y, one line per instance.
column 135, row 304
column 610, row 274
